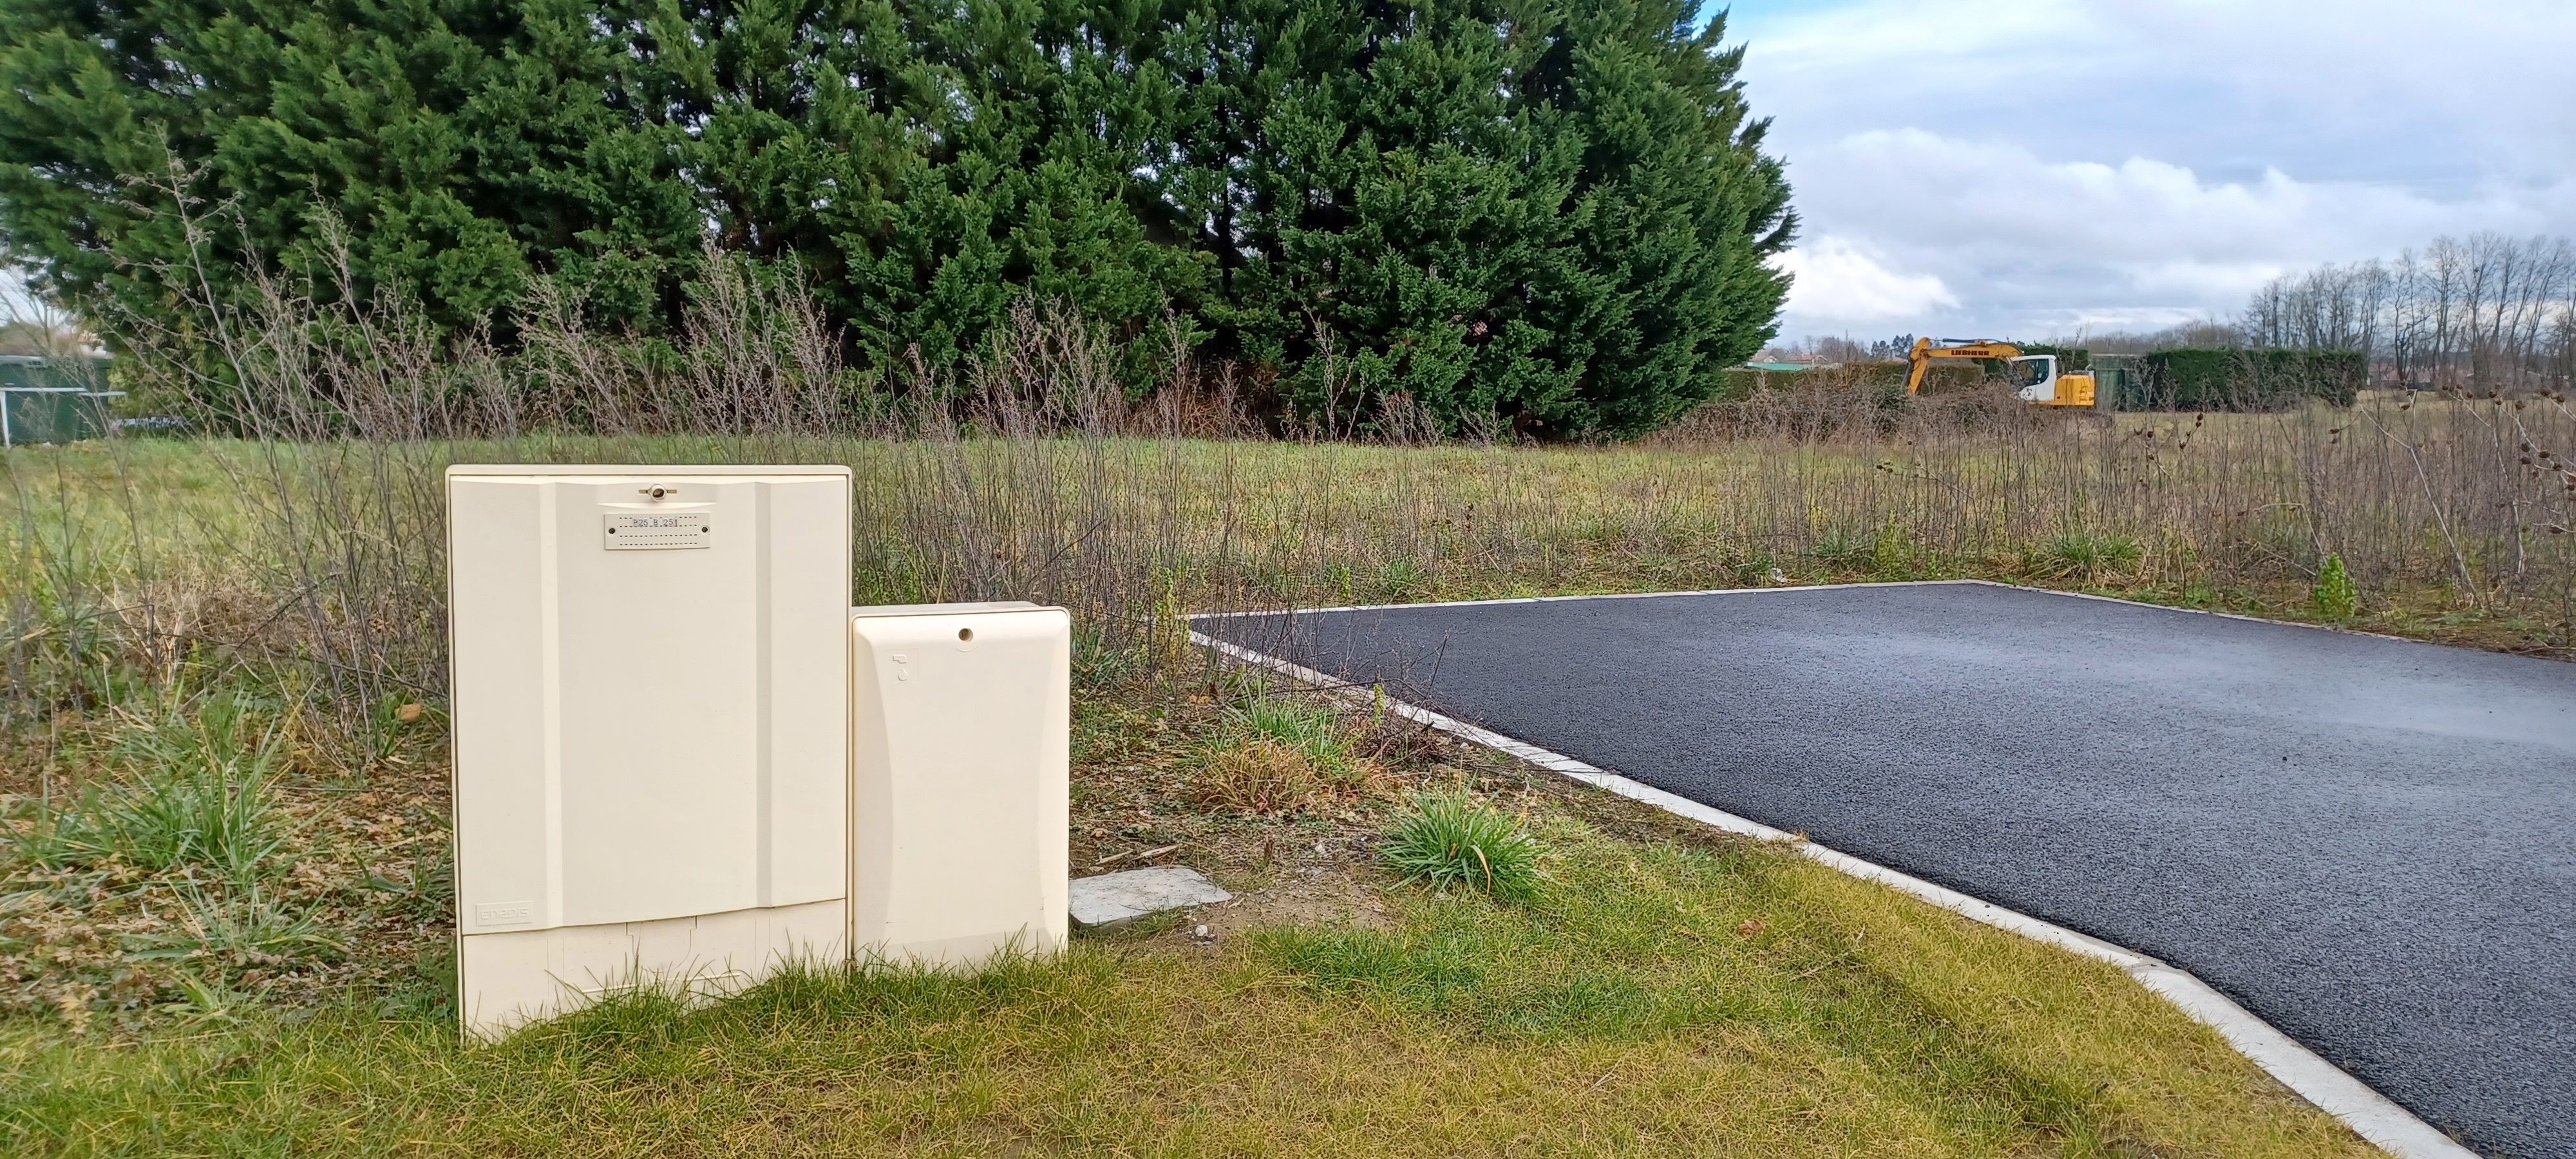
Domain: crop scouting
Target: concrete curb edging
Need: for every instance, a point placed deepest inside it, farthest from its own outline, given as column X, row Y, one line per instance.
column 1830, row 587
column 2371, row 1115
column 1621, row 596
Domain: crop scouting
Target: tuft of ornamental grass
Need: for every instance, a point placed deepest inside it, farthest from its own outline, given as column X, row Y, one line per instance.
column 1451, row 839
column 248, row 927
column 1276, row 756
column 2087, row 556
column 195, row 792
column 1315, row 731
column 1259, row 776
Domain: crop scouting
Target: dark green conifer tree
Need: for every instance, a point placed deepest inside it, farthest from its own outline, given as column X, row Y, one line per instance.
column 1557, row 213
column 459, row 141
column 1554, row 212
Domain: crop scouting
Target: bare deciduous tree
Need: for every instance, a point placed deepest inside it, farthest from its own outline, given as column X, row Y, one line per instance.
column 2485, row 313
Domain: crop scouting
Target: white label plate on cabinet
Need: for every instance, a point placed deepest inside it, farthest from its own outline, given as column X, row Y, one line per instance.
column 661, row 531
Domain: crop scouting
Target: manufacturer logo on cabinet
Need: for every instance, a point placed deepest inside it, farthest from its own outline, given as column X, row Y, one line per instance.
column 505, row 913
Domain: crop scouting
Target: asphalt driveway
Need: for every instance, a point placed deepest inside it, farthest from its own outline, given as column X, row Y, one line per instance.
column 2369, row 843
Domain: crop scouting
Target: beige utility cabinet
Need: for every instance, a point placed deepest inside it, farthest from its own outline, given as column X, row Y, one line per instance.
column 651, row 689
column 958, row 820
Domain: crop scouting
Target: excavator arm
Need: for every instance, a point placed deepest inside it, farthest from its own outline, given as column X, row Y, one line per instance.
column 1925, row 350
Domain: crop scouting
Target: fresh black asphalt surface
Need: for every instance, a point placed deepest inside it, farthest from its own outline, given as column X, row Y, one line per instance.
column 2369, row 843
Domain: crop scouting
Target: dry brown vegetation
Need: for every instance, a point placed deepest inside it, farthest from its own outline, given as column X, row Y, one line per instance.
column 1031, row 472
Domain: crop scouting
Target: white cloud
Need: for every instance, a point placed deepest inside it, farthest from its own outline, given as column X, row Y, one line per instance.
column 2062, row 164
column 2014, row 242
column 1837, row 279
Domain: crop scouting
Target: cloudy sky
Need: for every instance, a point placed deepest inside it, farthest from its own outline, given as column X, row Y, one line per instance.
column 2037, row 168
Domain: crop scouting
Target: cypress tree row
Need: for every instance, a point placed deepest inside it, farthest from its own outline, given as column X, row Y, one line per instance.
column 1553, row 212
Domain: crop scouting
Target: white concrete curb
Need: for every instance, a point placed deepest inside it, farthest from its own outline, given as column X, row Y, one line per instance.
column 1640, row 596
column 2370, row 1114
column 1830, row 587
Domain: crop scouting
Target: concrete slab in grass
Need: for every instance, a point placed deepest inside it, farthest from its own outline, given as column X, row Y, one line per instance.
column 1112, row 898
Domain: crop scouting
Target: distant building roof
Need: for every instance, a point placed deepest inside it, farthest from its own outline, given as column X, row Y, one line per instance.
column 1789, row 366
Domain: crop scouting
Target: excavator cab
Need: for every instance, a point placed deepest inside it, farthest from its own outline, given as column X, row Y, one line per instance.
column 2035, row 379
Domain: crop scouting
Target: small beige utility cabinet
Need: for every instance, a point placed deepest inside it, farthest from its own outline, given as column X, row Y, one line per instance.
column 682, row 760
column 959, row 729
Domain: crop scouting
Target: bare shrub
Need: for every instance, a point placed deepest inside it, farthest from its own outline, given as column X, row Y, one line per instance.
column 314, row 538
column 1860, row 401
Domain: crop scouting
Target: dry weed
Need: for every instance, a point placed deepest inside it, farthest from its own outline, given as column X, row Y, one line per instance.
column 1261, row 777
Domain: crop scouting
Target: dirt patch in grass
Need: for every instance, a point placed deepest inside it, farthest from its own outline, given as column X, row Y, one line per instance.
column 1169, row 781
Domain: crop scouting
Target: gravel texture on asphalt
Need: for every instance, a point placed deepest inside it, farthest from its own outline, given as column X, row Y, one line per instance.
column 2369, row 843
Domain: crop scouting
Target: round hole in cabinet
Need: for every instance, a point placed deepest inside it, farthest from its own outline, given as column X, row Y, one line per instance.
column 965, row 639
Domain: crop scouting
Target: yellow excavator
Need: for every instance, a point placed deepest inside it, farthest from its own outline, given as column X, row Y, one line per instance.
column 2034, row 376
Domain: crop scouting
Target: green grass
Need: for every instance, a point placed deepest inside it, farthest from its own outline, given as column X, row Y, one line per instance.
column 2089, row 556
column 191, row 850
column 174, row 817
column 190, row 791
column 1451, row 840
column 1655, row 990
column 1654, row 1000
column 1311, row 729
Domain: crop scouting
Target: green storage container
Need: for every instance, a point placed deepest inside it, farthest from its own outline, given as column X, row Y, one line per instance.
column 24, row 370
column 2118, row 383
column 54, row 400
column 39, row 414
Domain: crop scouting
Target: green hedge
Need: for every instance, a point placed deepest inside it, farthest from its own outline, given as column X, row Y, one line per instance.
column 1738, row 384
column 1743, row 382
column 1559, row 214
column 2245, row 380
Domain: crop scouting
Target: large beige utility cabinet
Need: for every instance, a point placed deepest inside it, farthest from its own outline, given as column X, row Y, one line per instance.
column 651, row 691
column 958, row 794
